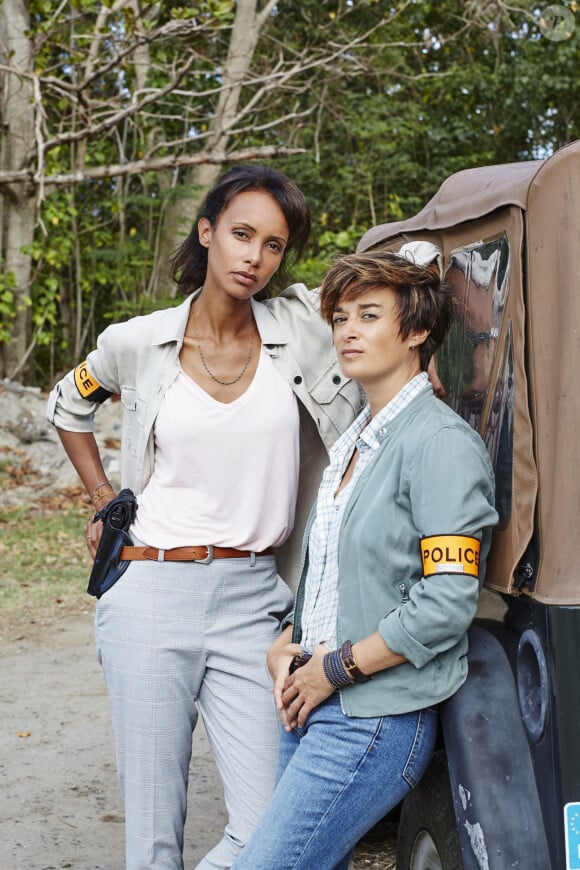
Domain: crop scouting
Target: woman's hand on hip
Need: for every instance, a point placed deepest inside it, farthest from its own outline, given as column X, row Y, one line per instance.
column 305, row 689
column 93, row 531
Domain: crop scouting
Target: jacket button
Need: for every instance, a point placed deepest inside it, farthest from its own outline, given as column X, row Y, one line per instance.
column 336, row 379
column 297, row 379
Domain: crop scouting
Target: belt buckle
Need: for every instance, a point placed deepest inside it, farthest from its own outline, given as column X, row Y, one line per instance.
column 208, row 558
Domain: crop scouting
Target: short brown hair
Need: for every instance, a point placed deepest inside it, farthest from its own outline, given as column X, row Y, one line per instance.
column 423, row 301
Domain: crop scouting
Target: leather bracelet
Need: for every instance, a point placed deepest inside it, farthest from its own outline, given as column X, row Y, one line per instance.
column 334, row 670
column 299, row 661
column 350, row 665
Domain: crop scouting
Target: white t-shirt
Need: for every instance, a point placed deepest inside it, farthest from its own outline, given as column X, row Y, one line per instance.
column 225, row 474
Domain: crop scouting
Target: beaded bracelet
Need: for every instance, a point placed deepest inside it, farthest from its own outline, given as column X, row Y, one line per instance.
column 335, row 671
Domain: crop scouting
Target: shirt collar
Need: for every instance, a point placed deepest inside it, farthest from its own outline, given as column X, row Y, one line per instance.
column 369, row 429
column 391, row 410
column 269, row 328
column 174, row 322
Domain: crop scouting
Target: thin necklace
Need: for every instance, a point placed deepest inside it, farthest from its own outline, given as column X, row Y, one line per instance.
column 195, row 336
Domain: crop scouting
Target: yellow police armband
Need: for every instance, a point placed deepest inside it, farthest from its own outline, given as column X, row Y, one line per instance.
column 450, row 554
column 88, row 386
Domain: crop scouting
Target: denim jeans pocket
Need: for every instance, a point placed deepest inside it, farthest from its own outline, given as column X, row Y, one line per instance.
column 422, row 747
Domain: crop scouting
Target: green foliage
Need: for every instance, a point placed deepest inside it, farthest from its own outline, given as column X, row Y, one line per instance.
column 92, row 262
column 433, row 103
column 330, row 245
column 217, row 11
column 7, row 306
column 432, row 88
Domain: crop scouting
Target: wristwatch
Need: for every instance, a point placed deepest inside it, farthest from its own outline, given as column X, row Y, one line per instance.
column 350, row 664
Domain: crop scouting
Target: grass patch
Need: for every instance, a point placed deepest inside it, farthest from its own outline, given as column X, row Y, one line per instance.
column 45, row 565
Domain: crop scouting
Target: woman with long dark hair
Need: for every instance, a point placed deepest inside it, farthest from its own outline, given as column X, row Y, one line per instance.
column 231, row 402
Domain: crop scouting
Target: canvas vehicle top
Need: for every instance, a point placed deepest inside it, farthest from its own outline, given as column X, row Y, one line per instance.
column 510, row 240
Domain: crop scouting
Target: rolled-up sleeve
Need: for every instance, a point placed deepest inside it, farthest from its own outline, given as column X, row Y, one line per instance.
column 451, row 493
column 67, row 408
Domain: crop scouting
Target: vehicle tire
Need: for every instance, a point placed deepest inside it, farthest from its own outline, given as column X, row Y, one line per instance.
column 427, row 838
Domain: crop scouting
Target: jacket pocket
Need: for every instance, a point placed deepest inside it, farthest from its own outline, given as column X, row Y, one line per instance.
column 133, row 411
column 338, row 398
column 129, row 398
column 332, row 384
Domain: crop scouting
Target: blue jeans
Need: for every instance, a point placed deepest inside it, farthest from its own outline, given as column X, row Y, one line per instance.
column 337, row 777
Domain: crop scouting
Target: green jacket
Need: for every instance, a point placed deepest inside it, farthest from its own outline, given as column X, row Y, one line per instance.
column 430, row 476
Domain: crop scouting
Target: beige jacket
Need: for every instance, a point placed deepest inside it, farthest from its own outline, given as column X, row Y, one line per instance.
column 139, row 360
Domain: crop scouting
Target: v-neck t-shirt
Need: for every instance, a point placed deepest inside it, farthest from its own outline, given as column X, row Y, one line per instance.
column 224, row 474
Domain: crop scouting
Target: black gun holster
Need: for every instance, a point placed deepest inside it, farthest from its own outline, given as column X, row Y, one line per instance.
column 117, row 517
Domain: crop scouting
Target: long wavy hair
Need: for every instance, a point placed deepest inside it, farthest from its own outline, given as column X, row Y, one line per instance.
column 188, row 266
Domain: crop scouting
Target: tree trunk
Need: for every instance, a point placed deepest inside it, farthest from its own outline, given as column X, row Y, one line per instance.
column 182, row 210
column 17, row 116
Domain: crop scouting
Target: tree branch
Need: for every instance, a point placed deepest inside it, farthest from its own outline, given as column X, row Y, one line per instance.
column 63, row 138
column 171, row 161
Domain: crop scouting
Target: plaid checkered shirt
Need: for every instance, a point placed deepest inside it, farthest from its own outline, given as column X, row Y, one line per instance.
column 320, row 610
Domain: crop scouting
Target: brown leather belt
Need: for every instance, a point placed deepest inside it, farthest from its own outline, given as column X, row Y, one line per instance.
column 204, row 554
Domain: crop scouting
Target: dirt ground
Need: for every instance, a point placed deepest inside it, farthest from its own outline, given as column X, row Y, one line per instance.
column 59, row 800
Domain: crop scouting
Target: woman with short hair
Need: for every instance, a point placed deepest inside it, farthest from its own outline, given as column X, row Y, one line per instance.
column 393, row 561
column 231, row 401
